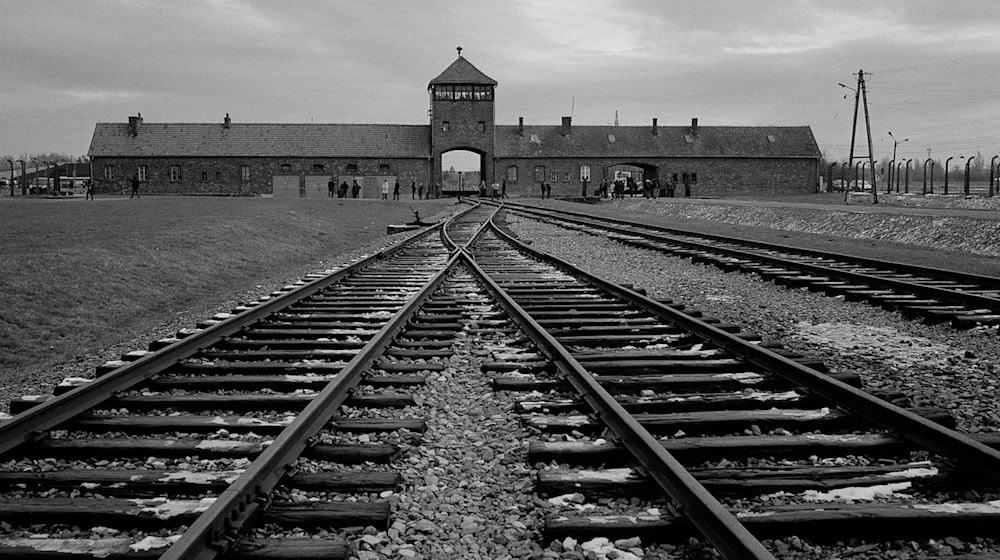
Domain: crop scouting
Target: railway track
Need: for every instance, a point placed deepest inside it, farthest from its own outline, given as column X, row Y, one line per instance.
column 935, row 295
column 259, row 434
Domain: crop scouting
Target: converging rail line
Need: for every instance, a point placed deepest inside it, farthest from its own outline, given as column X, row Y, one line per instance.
column 936, row 295
column 290, row 412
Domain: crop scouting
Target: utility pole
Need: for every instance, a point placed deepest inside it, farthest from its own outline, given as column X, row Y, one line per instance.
column 861, row 96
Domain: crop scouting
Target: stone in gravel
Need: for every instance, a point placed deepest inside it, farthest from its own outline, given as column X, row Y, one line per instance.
column 628, row 543
column 424, row 526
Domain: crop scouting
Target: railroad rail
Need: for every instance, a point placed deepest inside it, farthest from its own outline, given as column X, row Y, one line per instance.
column 698, row 383
column 933, row 294
column 208, row 435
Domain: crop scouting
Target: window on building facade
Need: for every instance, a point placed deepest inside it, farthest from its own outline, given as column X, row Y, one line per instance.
column 352, row 168
column 512, row 173
column 445, row 126
column 286, row 168
column 585, row 173
column 482, row 126
column 245, row 173
column 175, row 173
column 109, row 172
column 142, row 172
column 383, row 169
column 204, row 176
column 539, row 173
column 482, row 93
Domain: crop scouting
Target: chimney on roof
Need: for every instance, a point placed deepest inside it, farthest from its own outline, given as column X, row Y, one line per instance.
column 694, row 125
column 567, row 125
column 226, row 121
column 134, row 123
column 655, row 132
column 520, row 126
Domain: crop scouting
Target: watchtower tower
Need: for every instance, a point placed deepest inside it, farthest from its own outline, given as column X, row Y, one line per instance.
column 462, row 115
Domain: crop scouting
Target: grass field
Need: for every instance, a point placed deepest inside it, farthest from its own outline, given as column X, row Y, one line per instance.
column 78, row 276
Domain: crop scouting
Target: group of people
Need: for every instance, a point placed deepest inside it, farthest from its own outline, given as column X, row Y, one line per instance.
column 496, row 191
column 416, row 189
column 650, row 188
column 331, row 187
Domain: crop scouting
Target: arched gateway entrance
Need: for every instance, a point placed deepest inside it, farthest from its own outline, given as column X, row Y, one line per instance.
column 461, row 171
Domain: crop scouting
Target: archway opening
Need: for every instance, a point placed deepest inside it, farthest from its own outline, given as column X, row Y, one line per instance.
column 462, row 171
column 631, row 173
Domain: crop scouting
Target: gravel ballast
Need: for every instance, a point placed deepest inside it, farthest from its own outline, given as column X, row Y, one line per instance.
column 933, row 364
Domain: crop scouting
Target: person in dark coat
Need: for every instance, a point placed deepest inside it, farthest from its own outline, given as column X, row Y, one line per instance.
column 135, row 187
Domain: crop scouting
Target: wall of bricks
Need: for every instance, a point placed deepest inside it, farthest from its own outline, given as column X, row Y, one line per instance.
column 223, row 174
column 716, row 176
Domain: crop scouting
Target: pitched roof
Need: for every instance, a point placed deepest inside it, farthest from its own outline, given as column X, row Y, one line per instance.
column 262, row 140
column 672, row 141
column 462, row 72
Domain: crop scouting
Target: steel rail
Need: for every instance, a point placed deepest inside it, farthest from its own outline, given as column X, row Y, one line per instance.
column 717, row 523
column 971, row 454
column 988, row 282
column 34, row 423
column 215, row 530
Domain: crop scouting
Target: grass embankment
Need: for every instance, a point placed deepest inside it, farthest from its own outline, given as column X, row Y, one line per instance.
column 79, row 276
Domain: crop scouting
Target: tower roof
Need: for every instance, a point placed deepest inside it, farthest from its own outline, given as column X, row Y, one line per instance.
column 462, row 72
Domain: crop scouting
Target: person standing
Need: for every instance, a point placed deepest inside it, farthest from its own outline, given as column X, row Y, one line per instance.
column 135, row 187
column 395, row 191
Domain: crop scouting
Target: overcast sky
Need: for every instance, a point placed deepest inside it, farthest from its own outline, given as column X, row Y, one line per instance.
column 935, row 65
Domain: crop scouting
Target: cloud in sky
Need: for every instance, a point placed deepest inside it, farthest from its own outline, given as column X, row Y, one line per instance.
column 934, row 65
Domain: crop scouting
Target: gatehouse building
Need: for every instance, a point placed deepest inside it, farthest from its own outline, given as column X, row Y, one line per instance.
column 299, row 160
